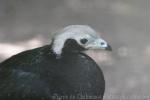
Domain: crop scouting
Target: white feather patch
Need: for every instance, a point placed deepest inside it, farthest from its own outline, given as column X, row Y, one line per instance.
column 76, row 32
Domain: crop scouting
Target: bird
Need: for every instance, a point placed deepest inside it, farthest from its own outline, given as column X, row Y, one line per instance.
column 57, row 71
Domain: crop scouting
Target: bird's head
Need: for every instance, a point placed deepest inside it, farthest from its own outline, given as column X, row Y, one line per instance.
column 76, row 38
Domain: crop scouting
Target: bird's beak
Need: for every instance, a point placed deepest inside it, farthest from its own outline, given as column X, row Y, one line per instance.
column 109, row 48
column 99, row 44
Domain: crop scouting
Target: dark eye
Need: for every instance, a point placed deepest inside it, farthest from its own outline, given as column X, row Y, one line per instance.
column 83, row 41
column 102, row 43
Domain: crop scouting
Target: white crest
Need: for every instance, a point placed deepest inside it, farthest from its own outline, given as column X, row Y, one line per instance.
column 71, row 32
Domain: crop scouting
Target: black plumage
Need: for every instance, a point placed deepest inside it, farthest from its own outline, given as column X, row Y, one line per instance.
column 38, row 74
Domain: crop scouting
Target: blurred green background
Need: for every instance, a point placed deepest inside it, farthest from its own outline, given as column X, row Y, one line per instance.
column 125, row 24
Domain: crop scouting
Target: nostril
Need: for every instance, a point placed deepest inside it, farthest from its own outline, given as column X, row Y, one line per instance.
column 102, row 43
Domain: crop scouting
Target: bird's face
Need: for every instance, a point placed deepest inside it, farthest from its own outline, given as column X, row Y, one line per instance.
column 76, row 38
column 92, row 42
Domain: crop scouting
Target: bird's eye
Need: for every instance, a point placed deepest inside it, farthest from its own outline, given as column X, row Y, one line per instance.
column 83, row 41
column 102, row 43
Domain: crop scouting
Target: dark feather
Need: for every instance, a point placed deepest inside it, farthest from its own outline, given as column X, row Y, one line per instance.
column 37, row 75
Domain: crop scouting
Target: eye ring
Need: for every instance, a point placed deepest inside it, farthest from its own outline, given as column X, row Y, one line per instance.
column 84, row 41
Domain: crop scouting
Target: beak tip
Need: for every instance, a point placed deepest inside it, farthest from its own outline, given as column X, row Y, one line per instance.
column 109, row 48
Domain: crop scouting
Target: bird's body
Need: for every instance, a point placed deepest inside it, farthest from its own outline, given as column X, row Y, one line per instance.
column 36, row 74
column 39, row 74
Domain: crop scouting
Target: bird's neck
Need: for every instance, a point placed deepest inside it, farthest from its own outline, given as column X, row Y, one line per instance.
column 70, row 46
